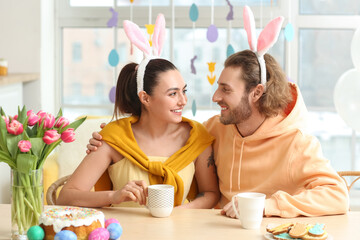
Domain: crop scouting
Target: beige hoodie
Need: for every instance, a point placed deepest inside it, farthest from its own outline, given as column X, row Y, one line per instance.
column 281, row 161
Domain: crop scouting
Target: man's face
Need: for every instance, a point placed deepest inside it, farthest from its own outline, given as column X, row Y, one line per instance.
column 232, row 97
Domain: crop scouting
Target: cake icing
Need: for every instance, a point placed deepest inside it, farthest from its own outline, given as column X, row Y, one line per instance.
column 61, row 216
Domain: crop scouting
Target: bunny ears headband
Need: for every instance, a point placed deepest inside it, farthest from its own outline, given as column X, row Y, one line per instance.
column 266, row 40
column 135, row 35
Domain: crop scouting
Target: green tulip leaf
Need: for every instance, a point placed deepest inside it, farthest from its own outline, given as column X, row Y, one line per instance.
column 26, row 162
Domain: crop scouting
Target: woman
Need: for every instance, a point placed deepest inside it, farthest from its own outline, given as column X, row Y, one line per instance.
column 155, row 145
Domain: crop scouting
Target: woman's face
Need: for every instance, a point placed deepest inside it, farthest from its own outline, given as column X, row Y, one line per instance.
column 169, row 97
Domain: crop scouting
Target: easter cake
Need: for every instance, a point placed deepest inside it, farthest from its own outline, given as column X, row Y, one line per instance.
column 81, row 221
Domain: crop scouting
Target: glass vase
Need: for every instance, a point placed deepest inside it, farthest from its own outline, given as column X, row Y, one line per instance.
column 26, row 201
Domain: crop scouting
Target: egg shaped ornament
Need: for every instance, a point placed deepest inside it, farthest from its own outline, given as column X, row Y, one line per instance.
column 289, row 32
column 35, row 233
column 229, row 50
column 65, row 235
column 99, row 234
column 112, row 94
column 347, row 98
column 194, row 13
column 115, row 230
column 113, row 58
column 111, row 220
column 355, row 49
column 212, row 33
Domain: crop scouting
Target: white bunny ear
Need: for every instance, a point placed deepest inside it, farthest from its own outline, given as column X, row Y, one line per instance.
column 135, row 35
column 159, row 35
column 249, row 25
column 269, row 35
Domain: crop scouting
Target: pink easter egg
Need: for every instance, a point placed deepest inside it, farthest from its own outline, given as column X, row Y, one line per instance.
column 109, row 221
column 99, row 234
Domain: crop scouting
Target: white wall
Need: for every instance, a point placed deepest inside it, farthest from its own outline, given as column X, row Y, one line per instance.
column 20, row 44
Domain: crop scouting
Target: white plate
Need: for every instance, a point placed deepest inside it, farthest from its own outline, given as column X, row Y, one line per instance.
column 269, row 236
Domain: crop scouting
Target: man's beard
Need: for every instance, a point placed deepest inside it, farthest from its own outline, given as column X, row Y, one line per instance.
column 240, row 114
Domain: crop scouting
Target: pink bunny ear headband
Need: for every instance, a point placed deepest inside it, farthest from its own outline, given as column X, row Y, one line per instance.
column 135, row 35
column 266, row 40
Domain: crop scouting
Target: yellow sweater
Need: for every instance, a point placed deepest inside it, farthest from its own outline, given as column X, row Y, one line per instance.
column 119, row 135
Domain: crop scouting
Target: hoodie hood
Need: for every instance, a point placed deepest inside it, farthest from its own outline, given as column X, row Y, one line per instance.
column 294, row 118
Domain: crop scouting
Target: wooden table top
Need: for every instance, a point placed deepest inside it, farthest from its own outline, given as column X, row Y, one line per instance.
column 137, row 223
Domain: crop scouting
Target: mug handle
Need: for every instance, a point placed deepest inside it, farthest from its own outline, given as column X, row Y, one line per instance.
column 234, row 207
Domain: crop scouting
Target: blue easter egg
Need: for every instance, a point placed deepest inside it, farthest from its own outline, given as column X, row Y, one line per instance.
column 35, row 233
column 115, row 230
column 194, row 12
column 113, row 58
column 230, row 50
column 212, row 33
column 289, row 32
column 193, row 107
column 99, row 234
column 65, row 235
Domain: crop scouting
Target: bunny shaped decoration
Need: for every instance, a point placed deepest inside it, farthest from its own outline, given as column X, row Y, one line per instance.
column 266, row 40
column 139, row 39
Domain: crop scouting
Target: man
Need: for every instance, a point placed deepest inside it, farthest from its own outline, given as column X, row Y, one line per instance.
column 261, row 145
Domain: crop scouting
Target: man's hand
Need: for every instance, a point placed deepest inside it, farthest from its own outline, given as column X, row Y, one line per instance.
column 95, row 141
column 228, row 210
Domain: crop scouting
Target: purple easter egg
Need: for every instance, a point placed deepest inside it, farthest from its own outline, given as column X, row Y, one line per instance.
column 65, row 235
column 112, row 94
column 99, row 234
column 115, row 230
column 109, row 221
column 212, row 33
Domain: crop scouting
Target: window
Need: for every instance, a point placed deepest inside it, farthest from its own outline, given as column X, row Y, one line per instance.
column 315, row 59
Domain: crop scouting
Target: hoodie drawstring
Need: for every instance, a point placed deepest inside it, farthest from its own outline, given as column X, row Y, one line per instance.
column 233, row 161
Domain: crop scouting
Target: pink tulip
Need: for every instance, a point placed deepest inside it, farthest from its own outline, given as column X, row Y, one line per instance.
column 68, row 135
column 51, row 136
column 62, row 122
column 24, row 145
column 15, row 117
column 41, row 114
column 33, row 118
column 15, row 127
column 49, row 120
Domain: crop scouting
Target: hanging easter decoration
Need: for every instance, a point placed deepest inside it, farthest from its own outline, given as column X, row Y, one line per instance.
column 230, row 16
column 194, row 13
column 192, row 66
column 229, row 50
column 289, row 32
column 355, row 49
column 289, row 28
column 212, row 76
column 212, row 31
column 114, row 18
column 112, row 94
column 347, row 98
column 193, row 107
column 150, row 31
column 113, row 58
column 131, row 19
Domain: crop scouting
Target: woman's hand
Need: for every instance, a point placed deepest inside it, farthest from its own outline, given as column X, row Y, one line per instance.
column 95, row 141
column 135, row 191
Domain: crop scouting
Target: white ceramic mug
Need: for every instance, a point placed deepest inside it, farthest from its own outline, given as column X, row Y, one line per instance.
column 249, row 209
column 160, row 200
